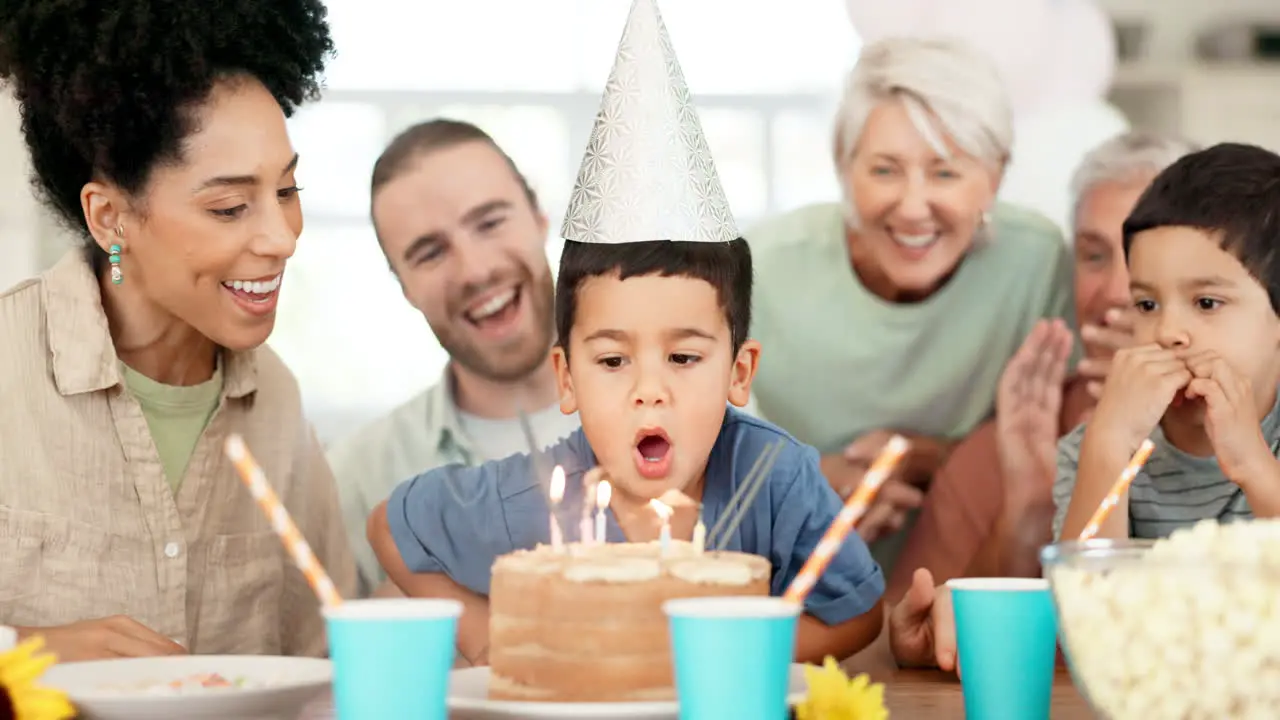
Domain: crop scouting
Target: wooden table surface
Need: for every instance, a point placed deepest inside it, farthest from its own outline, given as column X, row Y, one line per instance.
column 911, row 694
column 933, row 694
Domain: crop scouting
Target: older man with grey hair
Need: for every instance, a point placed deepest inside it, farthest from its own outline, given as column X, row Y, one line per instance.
column 1008, row 526
column 1104, row 190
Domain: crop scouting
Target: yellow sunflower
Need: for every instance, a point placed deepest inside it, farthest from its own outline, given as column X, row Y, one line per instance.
column 833, row 696
column 20, row 697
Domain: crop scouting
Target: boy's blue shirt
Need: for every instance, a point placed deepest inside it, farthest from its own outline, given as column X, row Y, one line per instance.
column 458, row 520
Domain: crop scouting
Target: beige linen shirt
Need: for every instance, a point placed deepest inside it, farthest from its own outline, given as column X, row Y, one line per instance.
column 89, row 526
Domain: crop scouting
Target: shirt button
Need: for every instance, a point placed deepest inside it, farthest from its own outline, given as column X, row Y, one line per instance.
column 171, row 550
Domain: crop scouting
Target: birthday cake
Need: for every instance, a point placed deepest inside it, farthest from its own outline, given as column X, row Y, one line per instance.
column 585, row 623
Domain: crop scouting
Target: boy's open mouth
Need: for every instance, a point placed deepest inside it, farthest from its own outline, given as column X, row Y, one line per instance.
column 653, row 453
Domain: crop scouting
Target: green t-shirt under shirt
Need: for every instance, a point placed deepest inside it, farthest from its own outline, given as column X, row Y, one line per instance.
column 176, row 417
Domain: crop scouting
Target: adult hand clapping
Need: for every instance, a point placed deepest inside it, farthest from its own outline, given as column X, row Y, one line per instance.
column 901, row 493
column 1101, row 343
column 1028, row 410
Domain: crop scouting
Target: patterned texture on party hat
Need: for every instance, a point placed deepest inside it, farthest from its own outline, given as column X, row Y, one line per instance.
column 647, row 173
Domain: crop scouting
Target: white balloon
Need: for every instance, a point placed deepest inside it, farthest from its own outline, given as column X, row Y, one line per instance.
column 1081, row 61
column 1048, row 146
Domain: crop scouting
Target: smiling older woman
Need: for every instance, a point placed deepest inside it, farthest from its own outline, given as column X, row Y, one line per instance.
column 157, row 131
column 896, row 310
column 1000, row 531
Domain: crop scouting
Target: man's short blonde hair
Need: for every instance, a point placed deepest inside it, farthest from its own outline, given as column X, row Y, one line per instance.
column 946, row 85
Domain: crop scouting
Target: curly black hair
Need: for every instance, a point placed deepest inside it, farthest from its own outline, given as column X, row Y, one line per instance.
column 106, row 87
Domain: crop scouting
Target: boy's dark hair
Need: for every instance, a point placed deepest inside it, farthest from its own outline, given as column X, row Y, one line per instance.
column 106, row 87
column 1232, row 190
column 726, row 266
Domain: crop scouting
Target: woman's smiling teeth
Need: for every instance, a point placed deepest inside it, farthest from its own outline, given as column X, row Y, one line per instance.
column 258, row 288
column 914, row 241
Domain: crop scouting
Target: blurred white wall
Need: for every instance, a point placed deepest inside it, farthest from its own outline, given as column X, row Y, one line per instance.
column 20, row 217
column 1165, row 88
column 768, row 130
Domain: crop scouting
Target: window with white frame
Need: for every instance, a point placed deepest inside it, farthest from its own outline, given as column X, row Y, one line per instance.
column 764, row 77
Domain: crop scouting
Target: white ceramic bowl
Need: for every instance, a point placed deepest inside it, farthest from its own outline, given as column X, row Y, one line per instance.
column 279, row 687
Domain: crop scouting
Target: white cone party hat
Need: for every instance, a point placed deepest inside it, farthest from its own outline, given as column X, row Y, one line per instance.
column 647, row 173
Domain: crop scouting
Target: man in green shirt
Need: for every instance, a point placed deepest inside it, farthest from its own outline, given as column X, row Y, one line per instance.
column 462, row 230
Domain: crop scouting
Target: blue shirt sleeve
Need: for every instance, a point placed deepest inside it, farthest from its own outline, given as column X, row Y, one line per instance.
column 853, row 582
column 458, row 520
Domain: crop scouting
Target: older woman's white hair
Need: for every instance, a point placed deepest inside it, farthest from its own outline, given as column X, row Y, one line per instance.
column 1125, row 157
column 946, row 85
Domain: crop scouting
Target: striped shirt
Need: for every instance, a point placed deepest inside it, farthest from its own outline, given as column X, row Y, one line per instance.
column 1172, row 491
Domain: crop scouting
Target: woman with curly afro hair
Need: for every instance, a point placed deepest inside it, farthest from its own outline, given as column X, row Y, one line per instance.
column 157, row 132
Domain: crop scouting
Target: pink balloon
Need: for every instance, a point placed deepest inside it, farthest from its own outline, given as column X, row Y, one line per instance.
column 1012, row 32
column 877, row 19
column 1081, row 58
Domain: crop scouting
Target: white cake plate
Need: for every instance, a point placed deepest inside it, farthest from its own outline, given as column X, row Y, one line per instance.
column 117, row 689
column 469, row 700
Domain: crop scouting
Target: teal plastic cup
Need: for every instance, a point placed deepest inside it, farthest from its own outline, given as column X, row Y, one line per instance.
column 1007, row 641
column 392, row 658
column 732, row 656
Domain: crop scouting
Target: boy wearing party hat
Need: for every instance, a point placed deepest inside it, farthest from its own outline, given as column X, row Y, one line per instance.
column 1201, row 379
column 653, row 306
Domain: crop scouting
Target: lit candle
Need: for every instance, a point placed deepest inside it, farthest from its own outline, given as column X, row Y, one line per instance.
column 664, row 536
column 584, row 525
column 699, row 534
column 557, row 493
column 604, row 492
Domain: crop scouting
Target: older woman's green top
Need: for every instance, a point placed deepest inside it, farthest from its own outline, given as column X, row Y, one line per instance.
column 839, row 361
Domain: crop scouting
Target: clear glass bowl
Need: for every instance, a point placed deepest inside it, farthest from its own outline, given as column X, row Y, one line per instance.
column 1149, row 637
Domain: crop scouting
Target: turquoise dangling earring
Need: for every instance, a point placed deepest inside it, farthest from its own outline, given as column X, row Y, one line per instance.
column 117, row 276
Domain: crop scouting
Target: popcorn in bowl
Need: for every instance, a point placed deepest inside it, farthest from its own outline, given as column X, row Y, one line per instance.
column 833, row 696
column 1185, row 627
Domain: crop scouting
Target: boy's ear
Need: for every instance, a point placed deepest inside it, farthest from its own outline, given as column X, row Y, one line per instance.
column 564, row 382
column 743, row 373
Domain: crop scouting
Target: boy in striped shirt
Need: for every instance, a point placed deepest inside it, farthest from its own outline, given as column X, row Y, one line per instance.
column 1203, row 250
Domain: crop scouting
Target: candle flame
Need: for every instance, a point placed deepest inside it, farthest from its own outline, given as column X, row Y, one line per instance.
column 676, row 499
column 557, row 484
column 664, row 511
column 604, row 493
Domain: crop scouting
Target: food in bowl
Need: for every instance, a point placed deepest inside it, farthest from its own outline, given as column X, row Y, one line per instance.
column 197, row 682
column 1187, row 627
